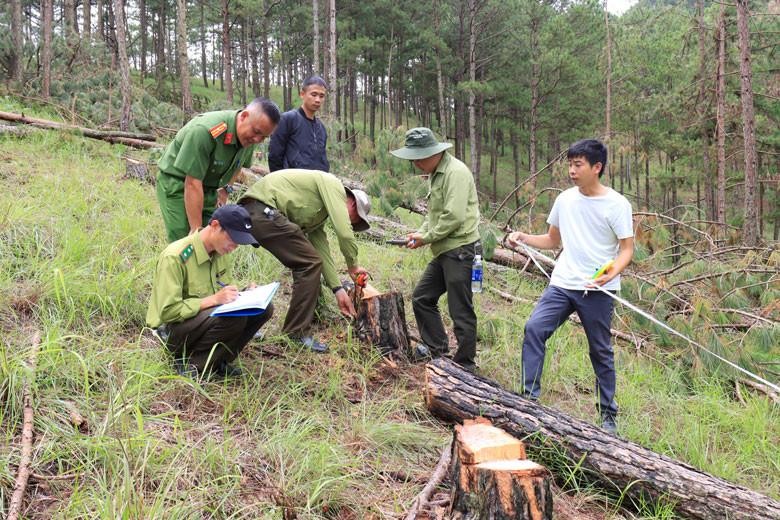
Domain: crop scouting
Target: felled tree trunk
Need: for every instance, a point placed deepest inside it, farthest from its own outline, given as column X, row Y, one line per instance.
column 112, row 136
column 491, row 478
column 454, row 394
column 381, row 320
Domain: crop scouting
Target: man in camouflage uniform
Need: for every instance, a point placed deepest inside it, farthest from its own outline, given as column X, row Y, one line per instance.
column 197, row 167
column 193, row 276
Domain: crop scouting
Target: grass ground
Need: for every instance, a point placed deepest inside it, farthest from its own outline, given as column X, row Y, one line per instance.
column 336, row 436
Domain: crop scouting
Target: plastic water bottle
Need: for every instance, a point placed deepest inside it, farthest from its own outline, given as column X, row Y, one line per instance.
column 476, row 274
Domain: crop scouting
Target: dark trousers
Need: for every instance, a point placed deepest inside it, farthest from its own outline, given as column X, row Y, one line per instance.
column 449, row 272
column 554, row 307
column 287, row 242
column 206, row 341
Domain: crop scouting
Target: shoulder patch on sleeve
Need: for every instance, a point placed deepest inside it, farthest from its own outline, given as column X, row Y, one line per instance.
column 218, row 130
column 186, row 253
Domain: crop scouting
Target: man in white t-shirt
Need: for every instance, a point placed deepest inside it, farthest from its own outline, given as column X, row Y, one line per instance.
column 593, row 223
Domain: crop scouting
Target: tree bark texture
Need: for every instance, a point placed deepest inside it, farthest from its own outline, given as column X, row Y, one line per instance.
column 181, row 49
column 501, row 490
column 143, row 27
column 454, row 394
column 86, row 32
column 332, row 80
column 381, row 321
column 46, row 54
column 720, row 193
column 315, row 16
column 17, row 42
column 227, row 70
column 750, row 225
column 124, row 65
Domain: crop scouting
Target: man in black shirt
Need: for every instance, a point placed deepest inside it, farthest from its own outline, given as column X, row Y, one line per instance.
column 299, row 140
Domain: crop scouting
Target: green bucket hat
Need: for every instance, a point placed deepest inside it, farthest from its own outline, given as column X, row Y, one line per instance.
column 420, row 143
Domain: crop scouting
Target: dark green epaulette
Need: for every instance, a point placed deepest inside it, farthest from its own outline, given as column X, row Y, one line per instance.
column 186, row 253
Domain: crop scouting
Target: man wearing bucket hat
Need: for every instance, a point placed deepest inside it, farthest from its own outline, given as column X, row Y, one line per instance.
column 450, row 228
column 193, row 275
column 289, row 209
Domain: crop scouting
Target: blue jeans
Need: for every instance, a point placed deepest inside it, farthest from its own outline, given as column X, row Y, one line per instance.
column 554, row 307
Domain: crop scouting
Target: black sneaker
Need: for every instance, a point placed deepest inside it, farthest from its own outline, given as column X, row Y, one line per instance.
column 608, row 424
column 312, row 344
column 227, row 370
column 421, row 352
column 185, row 369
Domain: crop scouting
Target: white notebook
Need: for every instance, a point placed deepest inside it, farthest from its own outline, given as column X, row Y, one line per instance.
column 249, row 302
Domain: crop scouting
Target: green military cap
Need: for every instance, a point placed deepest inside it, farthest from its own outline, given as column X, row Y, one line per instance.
column 420, row 143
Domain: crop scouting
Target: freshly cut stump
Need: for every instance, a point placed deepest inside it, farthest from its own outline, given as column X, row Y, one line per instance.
column 492, row 480
column 381, row 321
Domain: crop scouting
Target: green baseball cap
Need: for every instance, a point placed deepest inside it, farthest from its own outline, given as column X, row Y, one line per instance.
column 420, row 143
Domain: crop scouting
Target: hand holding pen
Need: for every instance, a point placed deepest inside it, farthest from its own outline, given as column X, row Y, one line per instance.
column 226, row 294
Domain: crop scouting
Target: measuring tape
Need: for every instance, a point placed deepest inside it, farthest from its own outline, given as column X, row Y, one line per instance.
column 532, row 253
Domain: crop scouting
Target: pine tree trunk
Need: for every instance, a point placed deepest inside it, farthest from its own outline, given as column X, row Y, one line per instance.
column 266, row 59
column 227, row 55
column 143, row 21
column 315, row 15
column 332, row 80
column 69, row 20
column 721, row 117
column 608, row 107
column 17, row 42
column 100, row 28
column 253, row 58
column 472, row 61
column 181, row 49
column 86, row 32
column 124, row 65
column 46, row 52
column 203, row 60
column 750, row 226
column 159, row 47
column 535, row 79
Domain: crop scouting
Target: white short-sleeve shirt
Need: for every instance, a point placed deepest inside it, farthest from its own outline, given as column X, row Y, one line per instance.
column 590, row 230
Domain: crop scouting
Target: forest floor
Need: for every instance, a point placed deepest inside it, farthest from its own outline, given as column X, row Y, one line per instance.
column 342, row 435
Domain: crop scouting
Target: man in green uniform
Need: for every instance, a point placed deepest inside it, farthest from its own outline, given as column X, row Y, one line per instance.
column 193, row 275
column 201, row 161
column 451, row 230
column 289, row 209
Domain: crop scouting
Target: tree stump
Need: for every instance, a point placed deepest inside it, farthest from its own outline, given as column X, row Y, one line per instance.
column 138, row 170
column 381, row 320
column 492, row 478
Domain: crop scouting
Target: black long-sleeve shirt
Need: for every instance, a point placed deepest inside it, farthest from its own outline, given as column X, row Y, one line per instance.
column 298, row 142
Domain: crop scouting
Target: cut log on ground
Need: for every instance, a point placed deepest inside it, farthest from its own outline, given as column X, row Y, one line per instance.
column 381, row 321
column 491, row 478
column 144, row 141
column 454, row 394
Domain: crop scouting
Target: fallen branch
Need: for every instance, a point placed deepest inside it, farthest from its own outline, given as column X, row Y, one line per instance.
column 135, row 140
column 774, row 396
column 23, row 474
column 438, row 475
